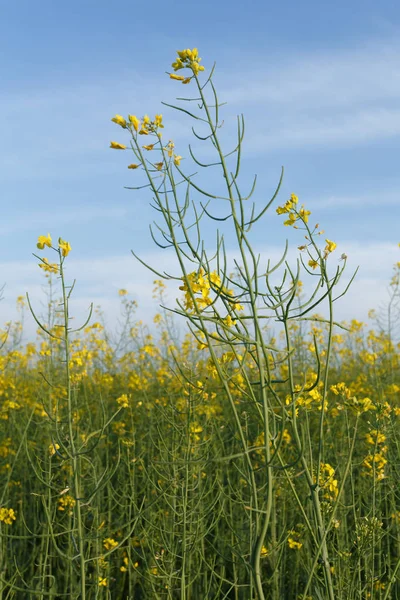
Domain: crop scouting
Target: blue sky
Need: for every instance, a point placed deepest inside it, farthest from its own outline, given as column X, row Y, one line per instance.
column 319, row 86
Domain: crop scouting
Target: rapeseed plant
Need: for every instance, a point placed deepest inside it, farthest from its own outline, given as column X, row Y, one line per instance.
column 237, row 461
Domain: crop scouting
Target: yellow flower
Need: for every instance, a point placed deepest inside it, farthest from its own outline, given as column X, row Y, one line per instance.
column 187, row 58
column 134, row 121
column 149, row 147
column 143, row 131
column 122, row 292
column 215, row 279
column 330, row 246
column 177, row 64
column 119, row 121
column 117, row 146
column 293, row 545
column 123, row 401
column 304, row 214
column 158, row 121
column 177, row 160
column 43, row 241
column 48, row 267
column 159, row 166
column 177, row 77
column 53, row 449
column 102, row 581
column 313, row 263
column 196, row 67
column 170, row 148
column 64, row 246
column 133, row 166
column 291, row 220
column 188, row 79
column 229, row 321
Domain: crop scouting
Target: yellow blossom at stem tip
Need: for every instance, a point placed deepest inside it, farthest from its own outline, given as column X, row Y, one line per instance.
column 44, row 240
column 119, row 120
column 134, row 121
column 158, row 121
column 64, row 246
column 133, row 166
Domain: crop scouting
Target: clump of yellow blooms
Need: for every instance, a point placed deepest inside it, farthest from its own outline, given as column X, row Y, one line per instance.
column 294, row 542
column 66, row 503
column 110, row 544
column 295, row 215
column 328, row 482
column 49, row 267
column 64, row 248
column 290, row 208
column 374, row 463
column 7, row 516
column 197, row 287
column 53, row 449
column 145, row 126
column 123, row 401
column 187, row 59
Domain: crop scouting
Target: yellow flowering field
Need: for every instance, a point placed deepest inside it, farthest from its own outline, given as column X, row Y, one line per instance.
column 256, row 457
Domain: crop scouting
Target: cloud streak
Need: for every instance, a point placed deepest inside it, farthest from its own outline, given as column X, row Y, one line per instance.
column 98, row 281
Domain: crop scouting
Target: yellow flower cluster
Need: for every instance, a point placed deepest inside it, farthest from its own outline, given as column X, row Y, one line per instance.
column 110, row 544
column 328, row 482
column 201, row 283
column 294, row 215
column 123, row 401
column 7, row 516
column 49, row 267
column 375, row 437
column 144, row 126
column 294, row 540
column 66, row 503
column 375, row 463
column 63, row 246
column 53, row 449
column 186, row 58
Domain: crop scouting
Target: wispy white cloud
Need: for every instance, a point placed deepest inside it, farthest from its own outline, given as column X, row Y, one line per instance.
column 18, row 223
column 378, row 199
column 331, row 79
column 98, row 281
column 359, row 126
column 341, row 98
